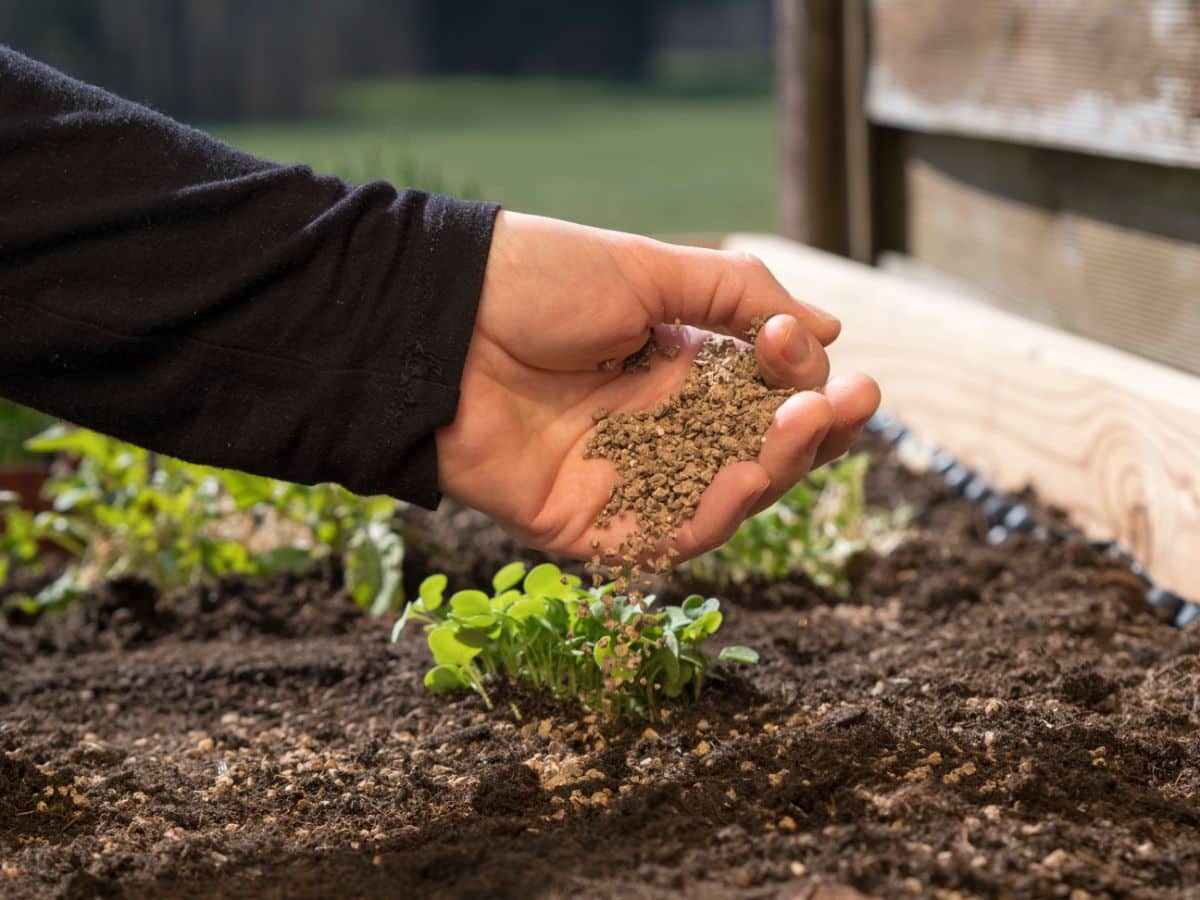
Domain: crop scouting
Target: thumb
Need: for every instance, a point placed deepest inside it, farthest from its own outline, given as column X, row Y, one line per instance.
column 723, row 291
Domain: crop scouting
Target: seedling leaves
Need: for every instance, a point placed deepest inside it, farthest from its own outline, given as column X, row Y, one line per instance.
column 739, row 654
column 448, row 649
column 507, row 577
column 546, row 580
column 542, row 627
column 431, row 591
column 470, row 603
column 441, row 679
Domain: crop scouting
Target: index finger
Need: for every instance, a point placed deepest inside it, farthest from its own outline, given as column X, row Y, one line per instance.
column 726, row 291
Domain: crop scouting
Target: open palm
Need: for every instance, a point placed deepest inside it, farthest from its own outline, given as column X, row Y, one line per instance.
column 559, row 300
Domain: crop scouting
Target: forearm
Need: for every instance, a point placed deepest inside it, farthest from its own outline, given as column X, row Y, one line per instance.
column 163, row 287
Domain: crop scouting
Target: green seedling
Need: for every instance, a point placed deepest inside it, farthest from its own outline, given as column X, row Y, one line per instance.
column 544, row 628
column 121, row 510
column 18, row 540
column 817, row 528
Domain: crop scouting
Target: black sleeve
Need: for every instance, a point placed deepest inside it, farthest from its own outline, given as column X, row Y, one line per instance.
column 165, row 288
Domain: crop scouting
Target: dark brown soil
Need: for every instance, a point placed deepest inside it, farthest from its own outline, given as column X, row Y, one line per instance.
column 977, row 721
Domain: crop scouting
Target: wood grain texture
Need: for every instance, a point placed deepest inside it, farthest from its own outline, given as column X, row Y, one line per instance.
column 1110, row 437
column 1105, row 248
column 1114, row 77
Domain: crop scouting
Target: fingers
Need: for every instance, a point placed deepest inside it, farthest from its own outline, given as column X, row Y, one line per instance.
column 727, row 502
column 854, row 399
column 808, row 430
column 796, row 443
column 791, row 444
column 790, row 356
column 724, row 291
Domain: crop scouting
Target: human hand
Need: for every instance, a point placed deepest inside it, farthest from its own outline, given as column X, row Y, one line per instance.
column 558, row 299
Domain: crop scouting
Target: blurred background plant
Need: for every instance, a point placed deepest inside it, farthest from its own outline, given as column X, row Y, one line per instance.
column 119, row 510
column 18, row 539
column 17, row 424
column 819, row 528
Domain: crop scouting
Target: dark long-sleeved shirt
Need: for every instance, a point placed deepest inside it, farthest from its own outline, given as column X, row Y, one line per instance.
column 165, row 288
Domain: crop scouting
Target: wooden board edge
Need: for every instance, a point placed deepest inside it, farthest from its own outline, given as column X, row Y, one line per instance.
column 1112, row 438
column 897, row 109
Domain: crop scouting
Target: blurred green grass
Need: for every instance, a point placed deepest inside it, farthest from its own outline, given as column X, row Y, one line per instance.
column 689, row 154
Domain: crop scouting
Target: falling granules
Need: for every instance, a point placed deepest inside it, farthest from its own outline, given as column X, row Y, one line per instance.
column 667, row 455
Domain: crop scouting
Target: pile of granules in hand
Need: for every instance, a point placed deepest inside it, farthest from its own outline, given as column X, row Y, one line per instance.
column 667, row 455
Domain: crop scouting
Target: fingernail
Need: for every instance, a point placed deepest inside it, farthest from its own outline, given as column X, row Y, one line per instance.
column 822, row 314
column 831, row 318
column 795, row 344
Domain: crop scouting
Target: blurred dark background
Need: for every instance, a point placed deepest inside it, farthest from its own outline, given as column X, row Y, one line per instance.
column 239, row 59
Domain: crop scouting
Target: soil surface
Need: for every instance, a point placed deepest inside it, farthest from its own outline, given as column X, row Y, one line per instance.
column 974, row 721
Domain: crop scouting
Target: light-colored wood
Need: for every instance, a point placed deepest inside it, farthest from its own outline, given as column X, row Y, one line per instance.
column 1110, row 437
column 812, row 204
column 1105, row 248
column 1114, row 77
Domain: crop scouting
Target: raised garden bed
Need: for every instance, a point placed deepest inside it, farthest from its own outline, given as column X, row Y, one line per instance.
column 974, row 720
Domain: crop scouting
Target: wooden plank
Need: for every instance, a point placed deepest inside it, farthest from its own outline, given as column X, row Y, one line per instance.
column 1108, row 436
column 811, row 160
column 860, row 236
column 1115, row 77
column 1108, row 249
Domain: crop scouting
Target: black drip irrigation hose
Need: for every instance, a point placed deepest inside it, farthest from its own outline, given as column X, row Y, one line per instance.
column 1006, row 516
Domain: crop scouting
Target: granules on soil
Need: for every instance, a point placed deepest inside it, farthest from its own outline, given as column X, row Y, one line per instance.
column 973, row 720
column 668, row 455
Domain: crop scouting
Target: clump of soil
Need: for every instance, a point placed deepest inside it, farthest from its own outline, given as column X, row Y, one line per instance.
column 667, row 455
column 34, row 805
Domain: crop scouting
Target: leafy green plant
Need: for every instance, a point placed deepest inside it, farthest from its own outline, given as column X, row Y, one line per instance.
column 18, row 540
column 332, row 522
column 18, row 424
column 817, row 528
column 543, row 627
column 121, row 510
